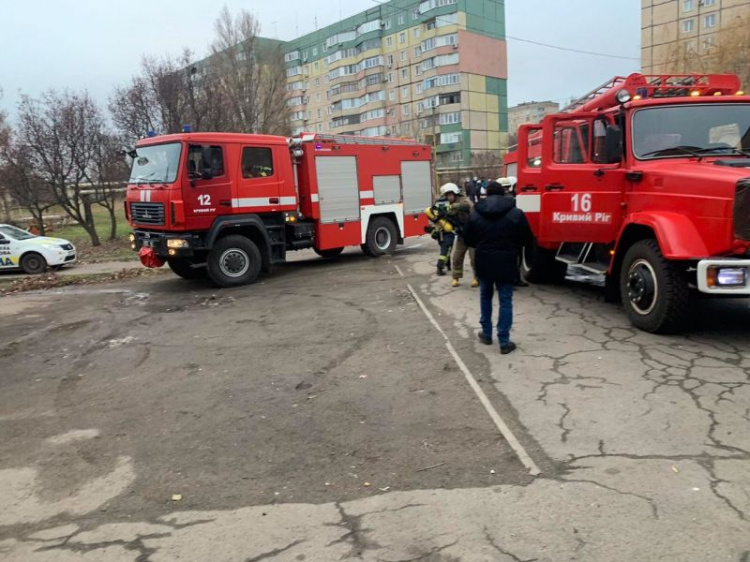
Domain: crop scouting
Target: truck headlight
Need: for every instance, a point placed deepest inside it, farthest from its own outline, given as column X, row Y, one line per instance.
column 177, row 243
column 731, row 277
column 131, row 237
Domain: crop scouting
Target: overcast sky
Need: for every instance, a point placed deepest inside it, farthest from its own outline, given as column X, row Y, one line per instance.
column 95, row 44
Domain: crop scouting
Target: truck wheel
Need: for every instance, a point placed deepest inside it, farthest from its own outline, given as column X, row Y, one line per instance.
column 33, row 263
column 381, row 238
column 538, row 265
column 654, row 292
column 331, row 253
column 185, row 269
column 234, row 260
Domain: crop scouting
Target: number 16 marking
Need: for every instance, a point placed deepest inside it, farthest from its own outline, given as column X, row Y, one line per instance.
column 581, row 202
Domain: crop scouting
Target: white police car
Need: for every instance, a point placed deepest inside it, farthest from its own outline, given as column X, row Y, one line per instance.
column 32, row 254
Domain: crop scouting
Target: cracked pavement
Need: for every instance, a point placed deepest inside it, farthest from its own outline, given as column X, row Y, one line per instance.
column 363, row 441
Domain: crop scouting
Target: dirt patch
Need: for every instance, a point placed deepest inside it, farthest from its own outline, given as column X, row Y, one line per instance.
column 53, row 281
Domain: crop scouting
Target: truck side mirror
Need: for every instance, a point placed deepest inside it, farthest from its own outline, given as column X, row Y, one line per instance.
column 613, row 144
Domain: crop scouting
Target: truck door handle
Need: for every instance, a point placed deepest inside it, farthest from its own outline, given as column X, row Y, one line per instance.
column 554, row 187
column 526, row 188
column 225, row 202
column 274, row 200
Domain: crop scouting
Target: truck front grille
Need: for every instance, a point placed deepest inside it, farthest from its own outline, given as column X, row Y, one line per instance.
column 148, row 213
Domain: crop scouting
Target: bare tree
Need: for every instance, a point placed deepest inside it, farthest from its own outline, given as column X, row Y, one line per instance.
column 486, row 164
column 252, row 77
column 107, row 175
column 169, row 93
column 61, row 132
column 20, row 181
column 726, row 52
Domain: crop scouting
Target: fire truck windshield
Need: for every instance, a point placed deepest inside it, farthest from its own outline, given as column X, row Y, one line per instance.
column 156, row 164
column 692, row 130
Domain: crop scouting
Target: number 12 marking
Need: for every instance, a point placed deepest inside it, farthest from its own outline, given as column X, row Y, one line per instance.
column 204, row 200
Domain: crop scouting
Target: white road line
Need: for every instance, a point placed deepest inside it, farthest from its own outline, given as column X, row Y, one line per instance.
column 506, row 432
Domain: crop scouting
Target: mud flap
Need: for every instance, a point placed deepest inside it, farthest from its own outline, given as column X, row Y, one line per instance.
column 149, row 258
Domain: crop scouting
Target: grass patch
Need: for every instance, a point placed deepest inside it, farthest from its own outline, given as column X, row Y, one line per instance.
column 52, row 281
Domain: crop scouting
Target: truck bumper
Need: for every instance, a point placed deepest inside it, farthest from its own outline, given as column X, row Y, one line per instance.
column 724, row 276
column 158, row 242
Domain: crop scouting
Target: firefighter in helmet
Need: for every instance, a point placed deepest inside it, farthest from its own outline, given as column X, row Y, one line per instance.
column 443, row 226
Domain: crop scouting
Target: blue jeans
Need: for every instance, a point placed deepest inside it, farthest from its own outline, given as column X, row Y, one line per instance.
column 505, row 319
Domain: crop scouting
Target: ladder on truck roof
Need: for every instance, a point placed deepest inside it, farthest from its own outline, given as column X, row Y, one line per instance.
column 656, row 86
column 352, row 139
column 593, row 94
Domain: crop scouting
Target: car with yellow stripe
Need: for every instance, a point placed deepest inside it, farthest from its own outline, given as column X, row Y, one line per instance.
column 20, row 249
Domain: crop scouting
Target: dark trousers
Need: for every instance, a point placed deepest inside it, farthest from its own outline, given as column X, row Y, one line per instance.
column 505, row 316
column 446, row 245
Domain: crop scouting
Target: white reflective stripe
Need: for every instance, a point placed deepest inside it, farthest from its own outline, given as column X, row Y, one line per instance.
column 529, row 203
column 143, row 196
column 366, row 194
column 315, row 198
column 262, row 202
column 148, row 195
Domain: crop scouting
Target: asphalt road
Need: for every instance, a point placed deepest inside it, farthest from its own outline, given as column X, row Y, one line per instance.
column 322, row 415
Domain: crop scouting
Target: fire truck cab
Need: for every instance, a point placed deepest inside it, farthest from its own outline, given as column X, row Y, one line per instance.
column 231, row 205
column 647, row 181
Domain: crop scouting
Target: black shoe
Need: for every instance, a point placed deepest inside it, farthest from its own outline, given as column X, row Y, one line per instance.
column 509, row 347
column 441, row 271
column 521, row 283
column 484, row 339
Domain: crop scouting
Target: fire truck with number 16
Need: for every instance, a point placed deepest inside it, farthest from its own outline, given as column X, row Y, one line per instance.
column 647, row 181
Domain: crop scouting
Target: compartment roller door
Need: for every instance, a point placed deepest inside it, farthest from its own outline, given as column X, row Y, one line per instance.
column 338, row 188
column 387, row 189
column 416, row 178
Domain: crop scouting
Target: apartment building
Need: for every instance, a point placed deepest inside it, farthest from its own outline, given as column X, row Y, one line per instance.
column 434, row 70
column 670, row 28
column 530, row 112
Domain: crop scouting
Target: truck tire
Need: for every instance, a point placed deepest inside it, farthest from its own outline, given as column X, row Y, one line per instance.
column 538, row 265
column 330, row 253
column 233, row 261
column 184, row 268
column 654, row 292
column 33, row 263
column 381, row 238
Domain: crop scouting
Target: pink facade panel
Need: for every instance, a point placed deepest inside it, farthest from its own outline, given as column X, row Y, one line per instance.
column 483, row 55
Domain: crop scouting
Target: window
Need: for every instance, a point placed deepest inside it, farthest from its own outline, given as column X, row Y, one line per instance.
column 707, row 3
column 688, row 26
column 317, row 65
column 418, row 52
column 450, row 138
column 392, row 95
column 688, row 5
column 205, row 159
column 401, row 19
column 405, row 110
column 388, row 23
column 317, row 82
column 315, row 51
column 402, row 38
column 317, row 97
column 416, row 32
column 405, row 73
column 405, row 92
column 320, row 114
column 390, row 77
column 389, row 41
column 568, row 148
column 709, row 20
column 403, row 55
column 257, row 162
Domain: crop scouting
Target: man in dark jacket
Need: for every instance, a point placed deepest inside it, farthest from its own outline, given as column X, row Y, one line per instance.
column 498, row 230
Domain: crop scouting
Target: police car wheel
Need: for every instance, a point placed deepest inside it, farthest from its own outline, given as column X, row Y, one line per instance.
column 233, row 261
column 654, row 292
column 33, row 263
column 381, row 237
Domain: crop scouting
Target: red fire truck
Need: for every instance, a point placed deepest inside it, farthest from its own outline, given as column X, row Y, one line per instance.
column 647, row 181
column 231, row 205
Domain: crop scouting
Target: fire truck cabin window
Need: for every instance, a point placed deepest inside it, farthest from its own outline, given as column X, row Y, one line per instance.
column 257, row 162
column 718, row 129
column 599, row 147
column 568, row 148
column 203, row 159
